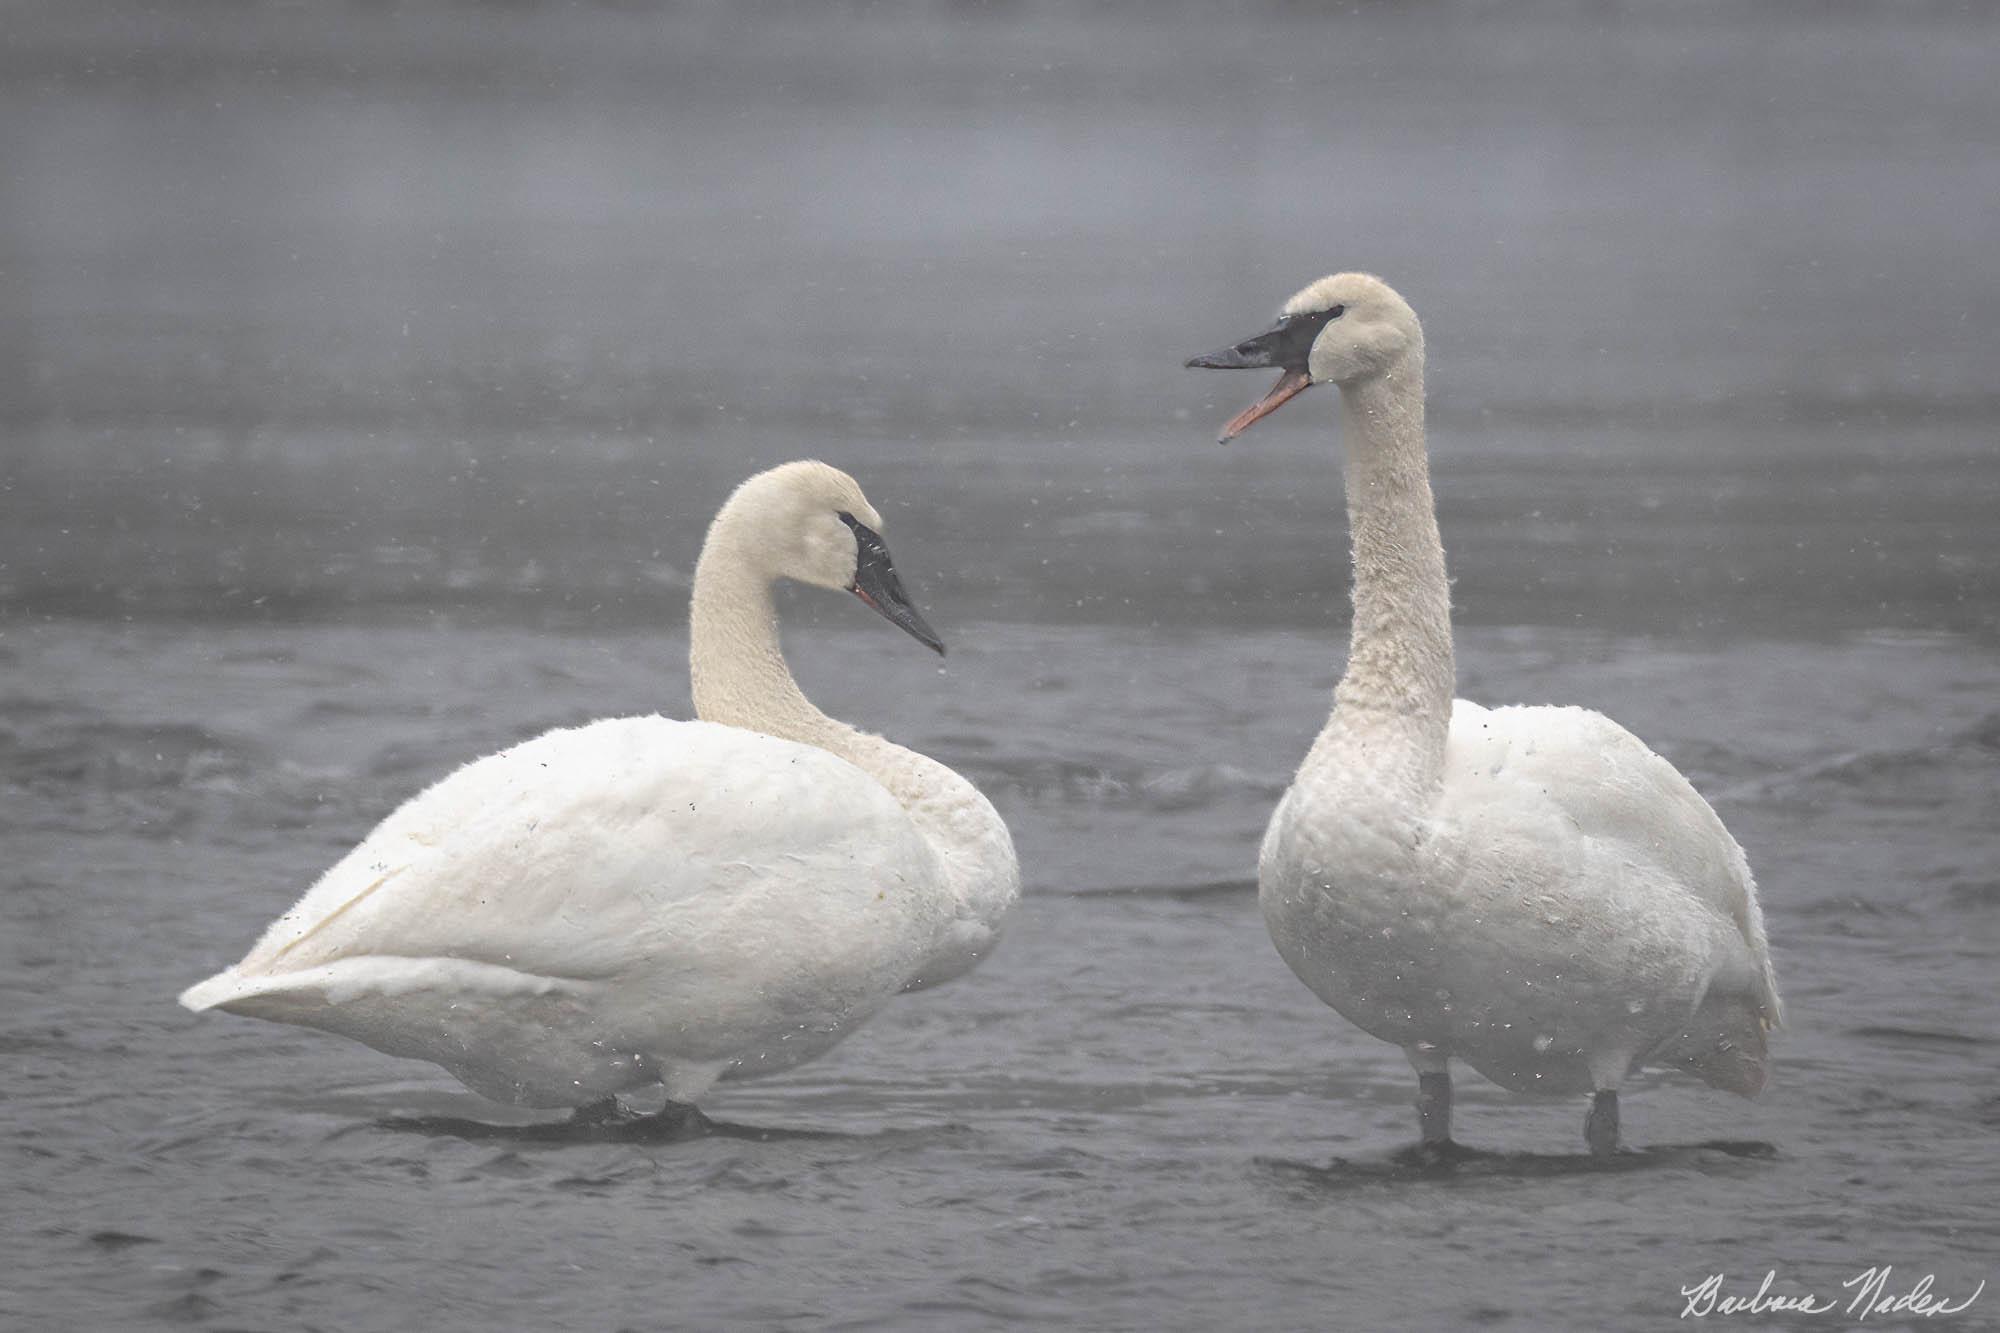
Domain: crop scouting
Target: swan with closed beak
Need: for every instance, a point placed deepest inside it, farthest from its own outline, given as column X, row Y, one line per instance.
column 642, row 900
column 1529, row 890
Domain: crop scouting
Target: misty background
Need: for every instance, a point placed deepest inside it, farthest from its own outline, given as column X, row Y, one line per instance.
column 318, row 307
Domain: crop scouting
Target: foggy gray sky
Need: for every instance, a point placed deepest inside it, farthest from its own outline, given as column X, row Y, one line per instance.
column 344, row 249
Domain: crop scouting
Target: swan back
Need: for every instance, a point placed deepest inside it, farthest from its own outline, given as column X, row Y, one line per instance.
column 1611, row 788
column 484, row 865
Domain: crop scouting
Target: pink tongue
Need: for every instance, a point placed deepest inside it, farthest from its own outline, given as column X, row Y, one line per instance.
column 1291, row 384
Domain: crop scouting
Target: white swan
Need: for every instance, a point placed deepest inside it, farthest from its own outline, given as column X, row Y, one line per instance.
column 1530, row 890
column 642, row 900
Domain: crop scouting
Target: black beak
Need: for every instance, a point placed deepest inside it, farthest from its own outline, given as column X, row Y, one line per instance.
column 876, row 584
column 1286, row 345
column 1266, row 349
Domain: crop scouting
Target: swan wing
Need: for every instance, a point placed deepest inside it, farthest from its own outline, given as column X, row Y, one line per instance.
column 1615, row 792
column 629, row 845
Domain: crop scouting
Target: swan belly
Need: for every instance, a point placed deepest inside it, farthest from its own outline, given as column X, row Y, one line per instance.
column 1546, row 963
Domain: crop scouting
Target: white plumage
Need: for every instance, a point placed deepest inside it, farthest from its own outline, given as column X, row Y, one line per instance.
column 1529, row 890
column 1559, row 911
column 644, row 900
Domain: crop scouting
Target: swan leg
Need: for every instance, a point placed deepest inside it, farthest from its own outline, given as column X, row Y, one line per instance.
column 1434, row 1108
column 1436, row 1149
column 1600, row 1127
column 1433, row 1096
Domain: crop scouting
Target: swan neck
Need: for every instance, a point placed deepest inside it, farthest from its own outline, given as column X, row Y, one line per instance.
column 1400, row 670
column 736, row 665
column 740, row 678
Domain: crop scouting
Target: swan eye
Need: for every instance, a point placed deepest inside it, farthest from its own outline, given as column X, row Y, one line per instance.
column 867, row 541
column 1336, row 312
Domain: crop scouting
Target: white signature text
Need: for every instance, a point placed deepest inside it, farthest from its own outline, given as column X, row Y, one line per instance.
column 1869, row 1294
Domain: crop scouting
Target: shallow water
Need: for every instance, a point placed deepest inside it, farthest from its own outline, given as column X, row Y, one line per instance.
column 378, row 378
column 1132, row 1115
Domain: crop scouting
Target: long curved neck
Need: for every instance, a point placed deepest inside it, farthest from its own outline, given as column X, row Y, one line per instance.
column 737, row 669
column 740, row 678
column 1393, row 706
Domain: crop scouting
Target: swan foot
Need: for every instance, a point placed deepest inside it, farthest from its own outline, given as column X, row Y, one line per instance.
column 614, row 1120
column 1434, row 1108
column 674, row 1121
column 1437, row 1155
column 604, row 1111
column 1600, row 1127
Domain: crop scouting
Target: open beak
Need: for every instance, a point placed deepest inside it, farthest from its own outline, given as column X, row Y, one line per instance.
column 1291, row 383
column 1288, row 346
column 876, row 584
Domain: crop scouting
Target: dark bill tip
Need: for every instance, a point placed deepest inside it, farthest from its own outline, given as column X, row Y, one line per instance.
column 877, row 585
column 905, row 617
column 1246, row 355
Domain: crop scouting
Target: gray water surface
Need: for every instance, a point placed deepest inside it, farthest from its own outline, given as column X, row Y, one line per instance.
column 1131, row 1116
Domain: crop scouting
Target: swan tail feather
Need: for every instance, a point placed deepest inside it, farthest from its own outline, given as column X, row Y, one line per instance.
column 1750, row 921
column 313, row 996
column 213, row 993
column 274, row 996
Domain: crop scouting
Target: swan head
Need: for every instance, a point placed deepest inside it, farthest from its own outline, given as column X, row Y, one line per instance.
column 810, row 522
column 1343, row 329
